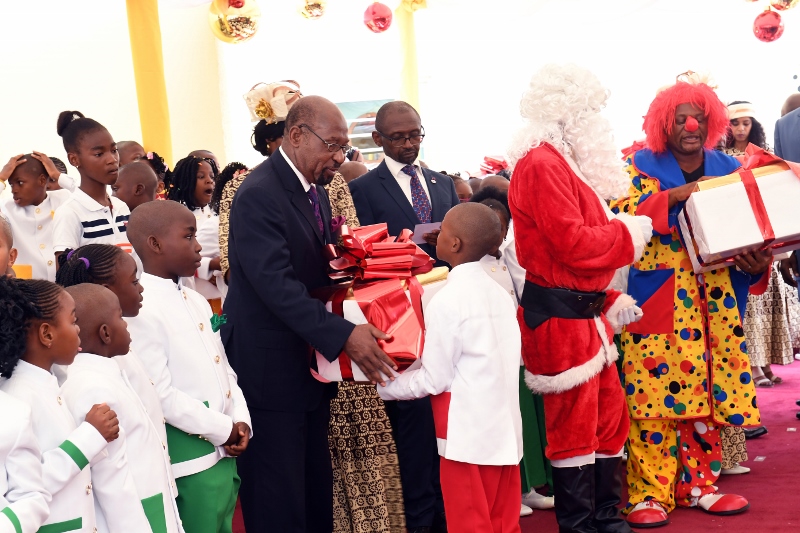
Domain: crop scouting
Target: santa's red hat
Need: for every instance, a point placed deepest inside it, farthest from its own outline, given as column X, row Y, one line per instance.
column 660, row 118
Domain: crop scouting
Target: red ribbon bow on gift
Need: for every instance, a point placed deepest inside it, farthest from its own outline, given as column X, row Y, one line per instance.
column 756, row 157
column 369, row 252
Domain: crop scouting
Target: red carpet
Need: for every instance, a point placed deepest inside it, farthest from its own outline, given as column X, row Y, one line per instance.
column 770, row 486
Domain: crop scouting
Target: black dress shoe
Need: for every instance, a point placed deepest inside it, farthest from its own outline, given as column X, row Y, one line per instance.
column 797, row 402
column 754, row 433
column 798, row 415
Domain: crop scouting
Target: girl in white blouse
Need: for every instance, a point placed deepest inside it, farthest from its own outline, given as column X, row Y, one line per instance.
column 39, row 330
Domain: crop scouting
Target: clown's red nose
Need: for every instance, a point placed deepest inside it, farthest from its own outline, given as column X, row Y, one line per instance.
column 691, row 124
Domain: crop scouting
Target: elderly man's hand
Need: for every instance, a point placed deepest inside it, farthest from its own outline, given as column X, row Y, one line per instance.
column 362, row 348
column 432, row 238
column 754, row 263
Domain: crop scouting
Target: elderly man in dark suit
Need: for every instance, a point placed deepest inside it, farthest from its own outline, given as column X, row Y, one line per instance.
column 403, row 194
column 280, row 225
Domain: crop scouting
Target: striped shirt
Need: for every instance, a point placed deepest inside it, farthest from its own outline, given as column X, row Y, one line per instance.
column 81, row 220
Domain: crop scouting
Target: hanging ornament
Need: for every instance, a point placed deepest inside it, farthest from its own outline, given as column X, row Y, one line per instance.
column 768, row 26
column 313, row 9
column 783, row 5
column 378, row 17
column 234, row 21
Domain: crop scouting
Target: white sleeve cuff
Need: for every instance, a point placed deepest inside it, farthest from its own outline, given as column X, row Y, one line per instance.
column 88, row 440
column 65, row 181
column 639, row 239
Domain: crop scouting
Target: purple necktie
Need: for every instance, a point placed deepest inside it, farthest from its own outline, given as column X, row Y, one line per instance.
column 312, row 195
column 419, row 200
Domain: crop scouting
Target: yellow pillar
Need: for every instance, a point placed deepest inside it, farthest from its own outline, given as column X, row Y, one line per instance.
column 148, row 70
column 409, row 84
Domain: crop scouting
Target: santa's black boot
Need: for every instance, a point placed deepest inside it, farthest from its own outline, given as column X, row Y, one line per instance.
column 607, row 494
column 573, row 489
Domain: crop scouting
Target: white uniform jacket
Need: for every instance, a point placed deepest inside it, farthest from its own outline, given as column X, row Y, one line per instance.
column 470, row 367
column 67, row 449
column 33, row 235
column 137, row 467
column 173, row 337
column 23, row 498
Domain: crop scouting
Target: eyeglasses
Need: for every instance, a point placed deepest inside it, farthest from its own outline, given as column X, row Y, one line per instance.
column 397, row 142
column 332, row 147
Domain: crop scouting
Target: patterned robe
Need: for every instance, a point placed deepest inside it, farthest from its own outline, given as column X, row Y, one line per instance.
column 687, row 357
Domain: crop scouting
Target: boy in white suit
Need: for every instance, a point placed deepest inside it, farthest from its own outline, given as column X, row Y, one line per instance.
column 177, row 341
column 470, row 367
column 133, row 486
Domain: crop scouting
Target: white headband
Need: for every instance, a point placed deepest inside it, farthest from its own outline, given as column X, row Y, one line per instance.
column 740, row 111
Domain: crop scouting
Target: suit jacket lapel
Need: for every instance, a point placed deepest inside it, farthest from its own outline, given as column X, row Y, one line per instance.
column 394, row 190
column 435, row 196
column 299, row 196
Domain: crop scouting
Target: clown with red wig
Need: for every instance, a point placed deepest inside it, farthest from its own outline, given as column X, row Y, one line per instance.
column 571, row 245
column 685, row 365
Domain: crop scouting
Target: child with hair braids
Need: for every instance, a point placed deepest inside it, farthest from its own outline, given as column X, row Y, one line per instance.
column 37, row 330
column 90, row 215
column 192, row 183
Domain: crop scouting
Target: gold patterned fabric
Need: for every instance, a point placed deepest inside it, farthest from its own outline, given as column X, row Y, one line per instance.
column 766, row 323
column 225, row 218
column 367, row 495
column 734, row 446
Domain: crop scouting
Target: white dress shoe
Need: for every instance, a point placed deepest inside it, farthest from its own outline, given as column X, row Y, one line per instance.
column 737, row 469
column 525, row 511
column 534, row 500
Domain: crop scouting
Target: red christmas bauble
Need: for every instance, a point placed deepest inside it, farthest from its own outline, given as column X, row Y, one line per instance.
column 378, row 17
column 768, row 26
column 236, row 4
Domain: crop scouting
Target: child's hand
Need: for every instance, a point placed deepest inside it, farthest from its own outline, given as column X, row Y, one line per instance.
column 104, row 420
column 49, row 166
column 9, row 167
column 236, row 447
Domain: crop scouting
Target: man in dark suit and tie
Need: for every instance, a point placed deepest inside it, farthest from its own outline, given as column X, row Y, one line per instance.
column 280, row 225
column 403, row 194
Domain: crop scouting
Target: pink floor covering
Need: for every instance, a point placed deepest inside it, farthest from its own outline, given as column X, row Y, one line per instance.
column 771, row 486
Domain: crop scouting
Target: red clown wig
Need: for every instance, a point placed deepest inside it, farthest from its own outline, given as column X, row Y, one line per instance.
column 660, row 118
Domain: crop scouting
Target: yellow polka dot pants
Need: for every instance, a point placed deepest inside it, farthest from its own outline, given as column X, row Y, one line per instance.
column 673, row 461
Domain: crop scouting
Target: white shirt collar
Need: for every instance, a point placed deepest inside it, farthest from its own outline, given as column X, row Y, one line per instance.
column 303, row 181
column 465, row 270
column 158, row 283
column 106, row 365
column 396, row 167
column 35, row 373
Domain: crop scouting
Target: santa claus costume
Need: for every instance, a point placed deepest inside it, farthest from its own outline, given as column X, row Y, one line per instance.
column 571, row 245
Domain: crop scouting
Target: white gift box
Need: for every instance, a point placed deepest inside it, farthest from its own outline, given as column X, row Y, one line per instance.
column 718, row 221
column 331, row 370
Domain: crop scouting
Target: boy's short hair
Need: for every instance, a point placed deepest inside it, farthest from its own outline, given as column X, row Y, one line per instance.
column 5, row 229
column 478, row 227
column 152, row 218
column 31, row 166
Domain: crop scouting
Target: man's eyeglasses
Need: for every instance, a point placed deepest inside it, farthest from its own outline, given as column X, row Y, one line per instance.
column 399, row 141
column 332, row 147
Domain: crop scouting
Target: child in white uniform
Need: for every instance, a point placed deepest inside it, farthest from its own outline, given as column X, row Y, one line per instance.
column 30, row 212
column 133, row 489
column 44, row 333
column 90, row 215
column 8, row 254
column 192, row 184
column 470, row 367
column 207, row 417
column 23, row 499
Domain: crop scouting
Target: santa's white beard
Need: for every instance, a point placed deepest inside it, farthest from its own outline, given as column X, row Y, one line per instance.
column 592, row 146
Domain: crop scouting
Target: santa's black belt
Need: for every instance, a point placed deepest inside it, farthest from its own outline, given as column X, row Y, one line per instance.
column 542, row 303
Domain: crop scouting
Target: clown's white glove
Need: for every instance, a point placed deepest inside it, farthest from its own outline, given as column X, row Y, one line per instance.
column 629, row 315
column 646, row 225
